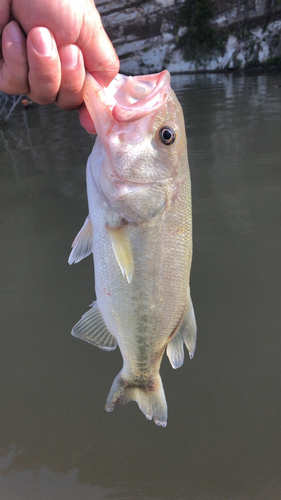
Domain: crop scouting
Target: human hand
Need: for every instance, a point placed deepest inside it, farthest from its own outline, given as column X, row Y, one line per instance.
column 63, row 38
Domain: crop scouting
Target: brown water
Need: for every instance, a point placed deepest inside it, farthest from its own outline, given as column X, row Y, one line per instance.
column 223, row 439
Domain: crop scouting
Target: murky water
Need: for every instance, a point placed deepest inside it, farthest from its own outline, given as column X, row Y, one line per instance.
column 223, row 440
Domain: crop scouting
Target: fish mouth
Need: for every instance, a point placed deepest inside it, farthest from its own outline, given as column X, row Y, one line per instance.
column 144, row 93
column 126, row 99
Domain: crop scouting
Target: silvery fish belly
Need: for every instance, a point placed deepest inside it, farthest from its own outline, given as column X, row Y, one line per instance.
column 139, row 230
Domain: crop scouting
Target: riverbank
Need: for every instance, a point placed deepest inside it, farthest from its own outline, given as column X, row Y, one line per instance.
column 153, row 35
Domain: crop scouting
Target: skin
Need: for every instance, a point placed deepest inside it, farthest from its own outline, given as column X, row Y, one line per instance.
column 46, row 47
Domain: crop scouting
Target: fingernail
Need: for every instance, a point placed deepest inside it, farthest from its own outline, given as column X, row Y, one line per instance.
column 69, row 56
column 42, row 41
column 14, row 33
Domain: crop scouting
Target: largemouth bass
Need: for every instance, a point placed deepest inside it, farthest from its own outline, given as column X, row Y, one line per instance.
column 139, row 230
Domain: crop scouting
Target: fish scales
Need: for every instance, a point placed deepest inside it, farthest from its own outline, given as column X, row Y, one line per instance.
column 139, row 230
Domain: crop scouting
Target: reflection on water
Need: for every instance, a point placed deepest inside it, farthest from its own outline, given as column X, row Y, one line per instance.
column 223, row 440
column 25, row 484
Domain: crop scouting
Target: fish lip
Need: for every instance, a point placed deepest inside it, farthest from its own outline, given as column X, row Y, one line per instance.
column 144, row 106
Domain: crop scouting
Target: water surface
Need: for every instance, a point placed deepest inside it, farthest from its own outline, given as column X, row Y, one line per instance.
column 223, row 439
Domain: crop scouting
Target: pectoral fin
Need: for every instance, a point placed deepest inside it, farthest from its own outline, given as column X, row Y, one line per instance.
column 92, row 329
column 121, row 244
column 82, row 245
column 186, row 333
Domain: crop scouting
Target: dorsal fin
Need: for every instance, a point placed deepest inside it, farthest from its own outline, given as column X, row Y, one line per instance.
column 83, row 243
column 92, row 329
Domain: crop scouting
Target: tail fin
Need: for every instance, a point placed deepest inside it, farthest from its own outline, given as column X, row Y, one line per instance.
column 151, row 400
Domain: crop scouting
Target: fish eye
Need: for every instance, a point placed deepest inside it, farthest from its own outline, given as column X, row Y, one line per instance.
column 167, row 135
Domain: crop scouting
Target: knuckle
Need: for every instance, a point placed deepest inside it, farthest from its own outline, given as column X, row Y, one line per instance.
column 114, row 63
column 68, row 99
column 43, row 87
column 43, row 97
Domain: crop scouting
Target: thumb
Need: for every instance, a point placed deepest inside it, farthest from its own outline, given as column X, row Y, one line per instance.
column 99, row 55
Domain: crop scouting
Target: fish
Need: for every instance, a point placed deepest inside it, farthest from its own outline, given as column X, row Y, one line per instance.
column 139, row 230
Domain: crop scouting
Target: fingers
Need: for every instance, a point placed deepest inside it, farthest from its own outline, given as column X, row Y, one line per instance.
column 30, row 67
column 13, row 65
column 72, row 77
column 56, row 74
column 50, row 68
column 44, row 66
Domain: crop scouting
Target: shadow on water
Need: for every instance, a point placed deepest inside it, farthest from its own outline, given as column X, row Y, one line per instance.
column 223, row 439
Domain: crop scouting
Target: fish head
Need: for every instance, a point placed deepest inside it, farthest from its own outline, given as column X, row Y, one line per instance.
column 140, row 124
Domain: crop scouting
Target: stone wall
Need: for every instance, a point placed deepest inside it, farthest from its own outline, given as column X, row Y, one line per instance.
column 146, row 34
column 142, row 32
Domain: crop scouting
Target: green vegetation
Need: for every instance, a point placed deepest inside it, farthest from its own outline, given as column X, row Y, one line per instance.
column 269, row 65
column 273, row 61
column 201, row 36
column 127, row 55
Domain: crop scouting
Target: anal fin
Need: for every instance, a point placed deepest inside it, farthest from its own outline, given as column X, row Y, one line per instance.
column 92, row 329
column 82, row 245
column 121, row 244
column 186, row 333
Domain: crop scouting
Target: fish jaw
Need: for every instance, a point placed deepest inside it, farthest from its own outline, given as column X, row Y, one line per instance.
column 147, row 100
column 126, row 98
